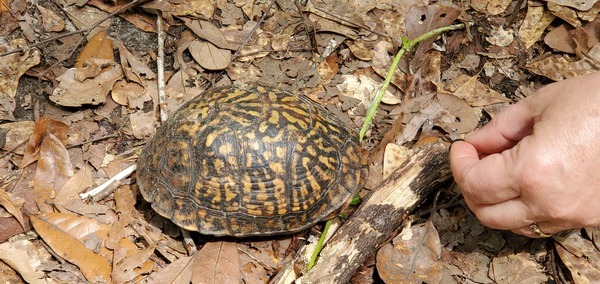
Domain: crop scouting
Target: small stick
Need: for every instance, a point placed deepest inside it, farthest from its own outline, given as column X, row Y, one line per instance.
column 160, row 74
column 118, row 177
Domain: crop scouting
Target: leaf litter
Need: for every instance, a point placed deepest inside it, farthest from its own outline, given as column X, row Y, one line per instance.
column 91, row 114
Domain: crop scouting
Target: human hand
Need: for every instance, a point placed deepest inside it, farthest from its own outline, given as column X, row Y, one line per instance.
column 538, row 161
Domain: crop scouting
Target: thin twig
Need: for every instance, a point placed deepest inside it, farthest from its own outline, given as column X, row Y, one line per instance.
column 160, row 66
column 262, row 19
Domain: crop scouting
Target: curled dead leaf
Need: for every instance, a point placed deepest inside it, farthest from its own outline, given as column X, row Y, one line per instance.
column 72, row 93
column 210, row 56
column 94, row 267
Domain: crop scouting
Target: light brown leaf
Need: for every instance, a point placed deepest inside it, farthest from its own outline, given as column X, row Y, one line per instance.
column 421, row 20
column 178, row 272
column 535, row 23
column 127, row 268
column 516, row 268
column 12, row 67
column 54, row 168
column 73, row 93
column 413, row 257
column 135, row 69
column 217, row 263
column 11, row 205
column 142, row 124
column 18, row 132
column 459, row 118
column 491, row 7
column 52, row 22
column 125, row 201
column 209, row 32
column 43, row 126
column 577, row 4
column 68, row 200
column 476, row 93
column 558, row 67
column 209, row 56
column 98, row 47
column 19, row 258
column 580, row 256
column 94, row 267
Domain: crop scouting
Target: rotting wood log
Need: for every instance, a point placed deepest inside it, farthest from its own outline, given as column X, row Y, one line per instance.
column 378, row 217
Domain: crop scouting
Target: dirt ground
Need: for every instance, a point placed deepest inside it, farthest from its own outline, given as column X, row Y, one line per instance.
column 76, row 110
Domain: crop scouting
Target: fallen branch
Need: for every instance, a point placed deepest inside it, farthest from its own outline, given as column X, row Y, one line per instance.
column 378, row 217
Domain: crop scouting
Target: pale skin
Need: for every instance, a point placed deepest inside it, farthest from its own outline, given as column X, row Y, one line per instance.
column 536, row 161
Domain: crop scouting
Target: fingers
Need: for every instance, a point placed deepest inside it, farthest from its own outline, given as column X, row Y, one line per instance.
column 506, row 129
column 486, row 181
column 509, row 215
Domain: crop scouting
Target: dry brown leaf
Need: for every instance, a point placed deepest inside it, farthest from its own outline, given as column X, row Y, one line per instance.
column 53, row 169
column 70, row 92
column 421, row 20
column 591, row 14
column 135, row 69
column 178, row 272
column 490, row 7
column 85, row 16
column 557, row 67
column 459, row 118
column 476, row 93
column 52, row 22
column 260, row 259
column 561, row 39
column 382, row 59
column 46, row 145
column 581, row 258
column 12, row 67
column 99, row 47
column 209, row 56
column 364, row 88
column 209, row 32
column 125, row 201
column 328, row 68
column 203, row 9
column 68, row 200
column 516, row 268
column 19, row 256
column 142, row 21
column 501, row 37
column 412, row 257
column 535, row 23
column 13, row 205
column 129, row 94
column 18, row 133
column 133, row 265
column 94, row 267
column 217, row 263
column 569, row 15
column 577, row 4
column 142, row 124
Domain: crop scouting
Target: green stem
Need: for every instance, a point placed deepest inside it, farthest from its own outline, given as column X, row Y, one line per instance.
column 319, row 247
column 406, row 46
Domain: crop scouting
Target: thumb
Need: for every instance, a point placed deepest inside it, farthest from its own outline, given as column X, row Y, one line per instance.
column 463, row 156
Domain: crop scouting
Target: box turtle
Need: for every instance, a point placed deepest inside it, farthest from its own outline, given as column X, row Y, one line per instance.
column 250, row 160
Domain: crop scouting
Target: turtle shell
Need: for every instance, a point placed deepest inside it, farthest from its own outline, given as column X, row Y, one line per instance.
column 250, row 160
